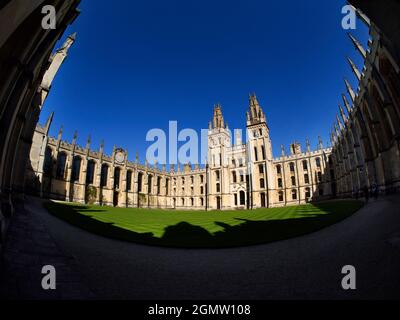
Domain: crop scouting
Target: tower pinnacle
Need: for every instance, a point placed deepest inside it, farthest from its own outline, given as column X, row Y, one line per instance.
column 255, row 115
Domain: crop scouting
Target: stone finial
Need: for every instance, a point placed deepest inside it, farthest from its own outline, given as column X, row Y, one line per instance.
column 320, row 143
column 358, row 46
column 354, row 68
column 75, row 137
column 88, row 142
column 343, row 115
column 60, row 133
column 350, row 90
column 347, row 104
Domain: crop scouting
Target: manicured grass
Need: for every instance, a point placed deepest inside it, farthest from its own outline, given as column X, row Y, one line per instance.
column 192, row 229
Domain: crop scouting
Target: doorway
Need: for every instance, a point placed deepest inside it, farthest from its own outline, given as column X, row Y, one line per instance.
column 115, row 199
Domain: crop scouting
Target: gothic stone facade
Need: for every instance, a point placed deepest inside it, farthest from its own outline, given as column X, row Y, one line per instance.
column 238, row 176
column 365, row 152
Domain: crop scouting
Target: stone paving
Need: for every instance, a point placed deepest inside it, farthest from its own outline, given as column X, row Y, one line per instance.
column 307, row 267
column 29, row 247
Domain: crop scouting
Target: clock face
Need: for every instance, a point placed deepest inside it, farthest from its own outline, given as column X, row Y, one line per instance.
column 120, row 157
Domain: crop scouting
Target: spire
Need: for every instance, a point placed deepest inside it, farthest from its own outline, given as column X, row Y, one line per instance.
column 339, row 123
column 350, row 90
column 57, row 60
column 283, row 150
column 358, row 46
column 60, row 133
column 48, row 123
column 342, row 114
column 137, row 156
column 354, row 69
column 218, row 119
column 337, row 130
column 255, row 115
column 332, row 138
column 67, row 44
column 75, row 137
column 308, row 145
column 320, row 143
column 88, row 142
column 347, row 104
column 101, row 148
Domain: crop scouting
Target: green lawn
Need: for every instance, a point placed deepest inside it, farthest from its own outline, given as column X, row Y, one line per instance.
column 204, row 229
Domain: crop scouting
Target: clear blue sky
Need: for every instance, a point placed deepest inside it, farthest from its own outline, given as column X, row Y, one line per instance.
column 138, row 64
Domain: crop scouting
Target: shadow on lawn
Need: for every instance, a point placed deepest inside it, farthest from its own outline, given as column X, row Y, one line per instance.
column 185, row 235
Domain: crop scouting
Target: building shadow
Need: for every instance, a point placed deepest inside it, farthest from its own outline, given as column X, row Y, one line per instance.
column 186, row 235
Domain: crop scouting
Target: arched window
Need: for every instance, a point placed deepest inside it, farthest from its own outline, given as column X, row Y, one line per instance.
column 192, row 202
column 293, row 180
column 306, row 179
column 262, row 183
column 234, row 177
column 242, row 197
column 280, row 196
column 280, row 184
column 117, row 177
column 279, row 169
column 90, row 172
column 202, row 202
column 261, row 168
column 140, row 182
column 255, row 154
column 305, row 165
column 294, row 194
column 183, row 202
column 76, row 169
column 308, row 193
column 218, row 187
column 291, row 165
column 191, row 179
column 104, row 175
column 201, row 179
column 48, row 162
column 61, row 162
column 318, row 162
column 263, row 152
column 201, row 190
column 150, row 184
column 129, row 180
column 158, row 185
column 166, row 186
column 319, row 176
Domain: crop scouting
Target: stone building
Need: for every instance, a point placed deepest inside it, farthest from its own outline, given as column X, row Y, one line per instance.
column 365, row 137
column 25, row 56
column 364, row 153
column 237, row 176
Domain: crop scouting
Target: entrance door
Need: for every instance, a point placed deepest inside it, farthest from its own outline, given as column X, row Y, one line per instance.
column 115, row 200
column 263, row 200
